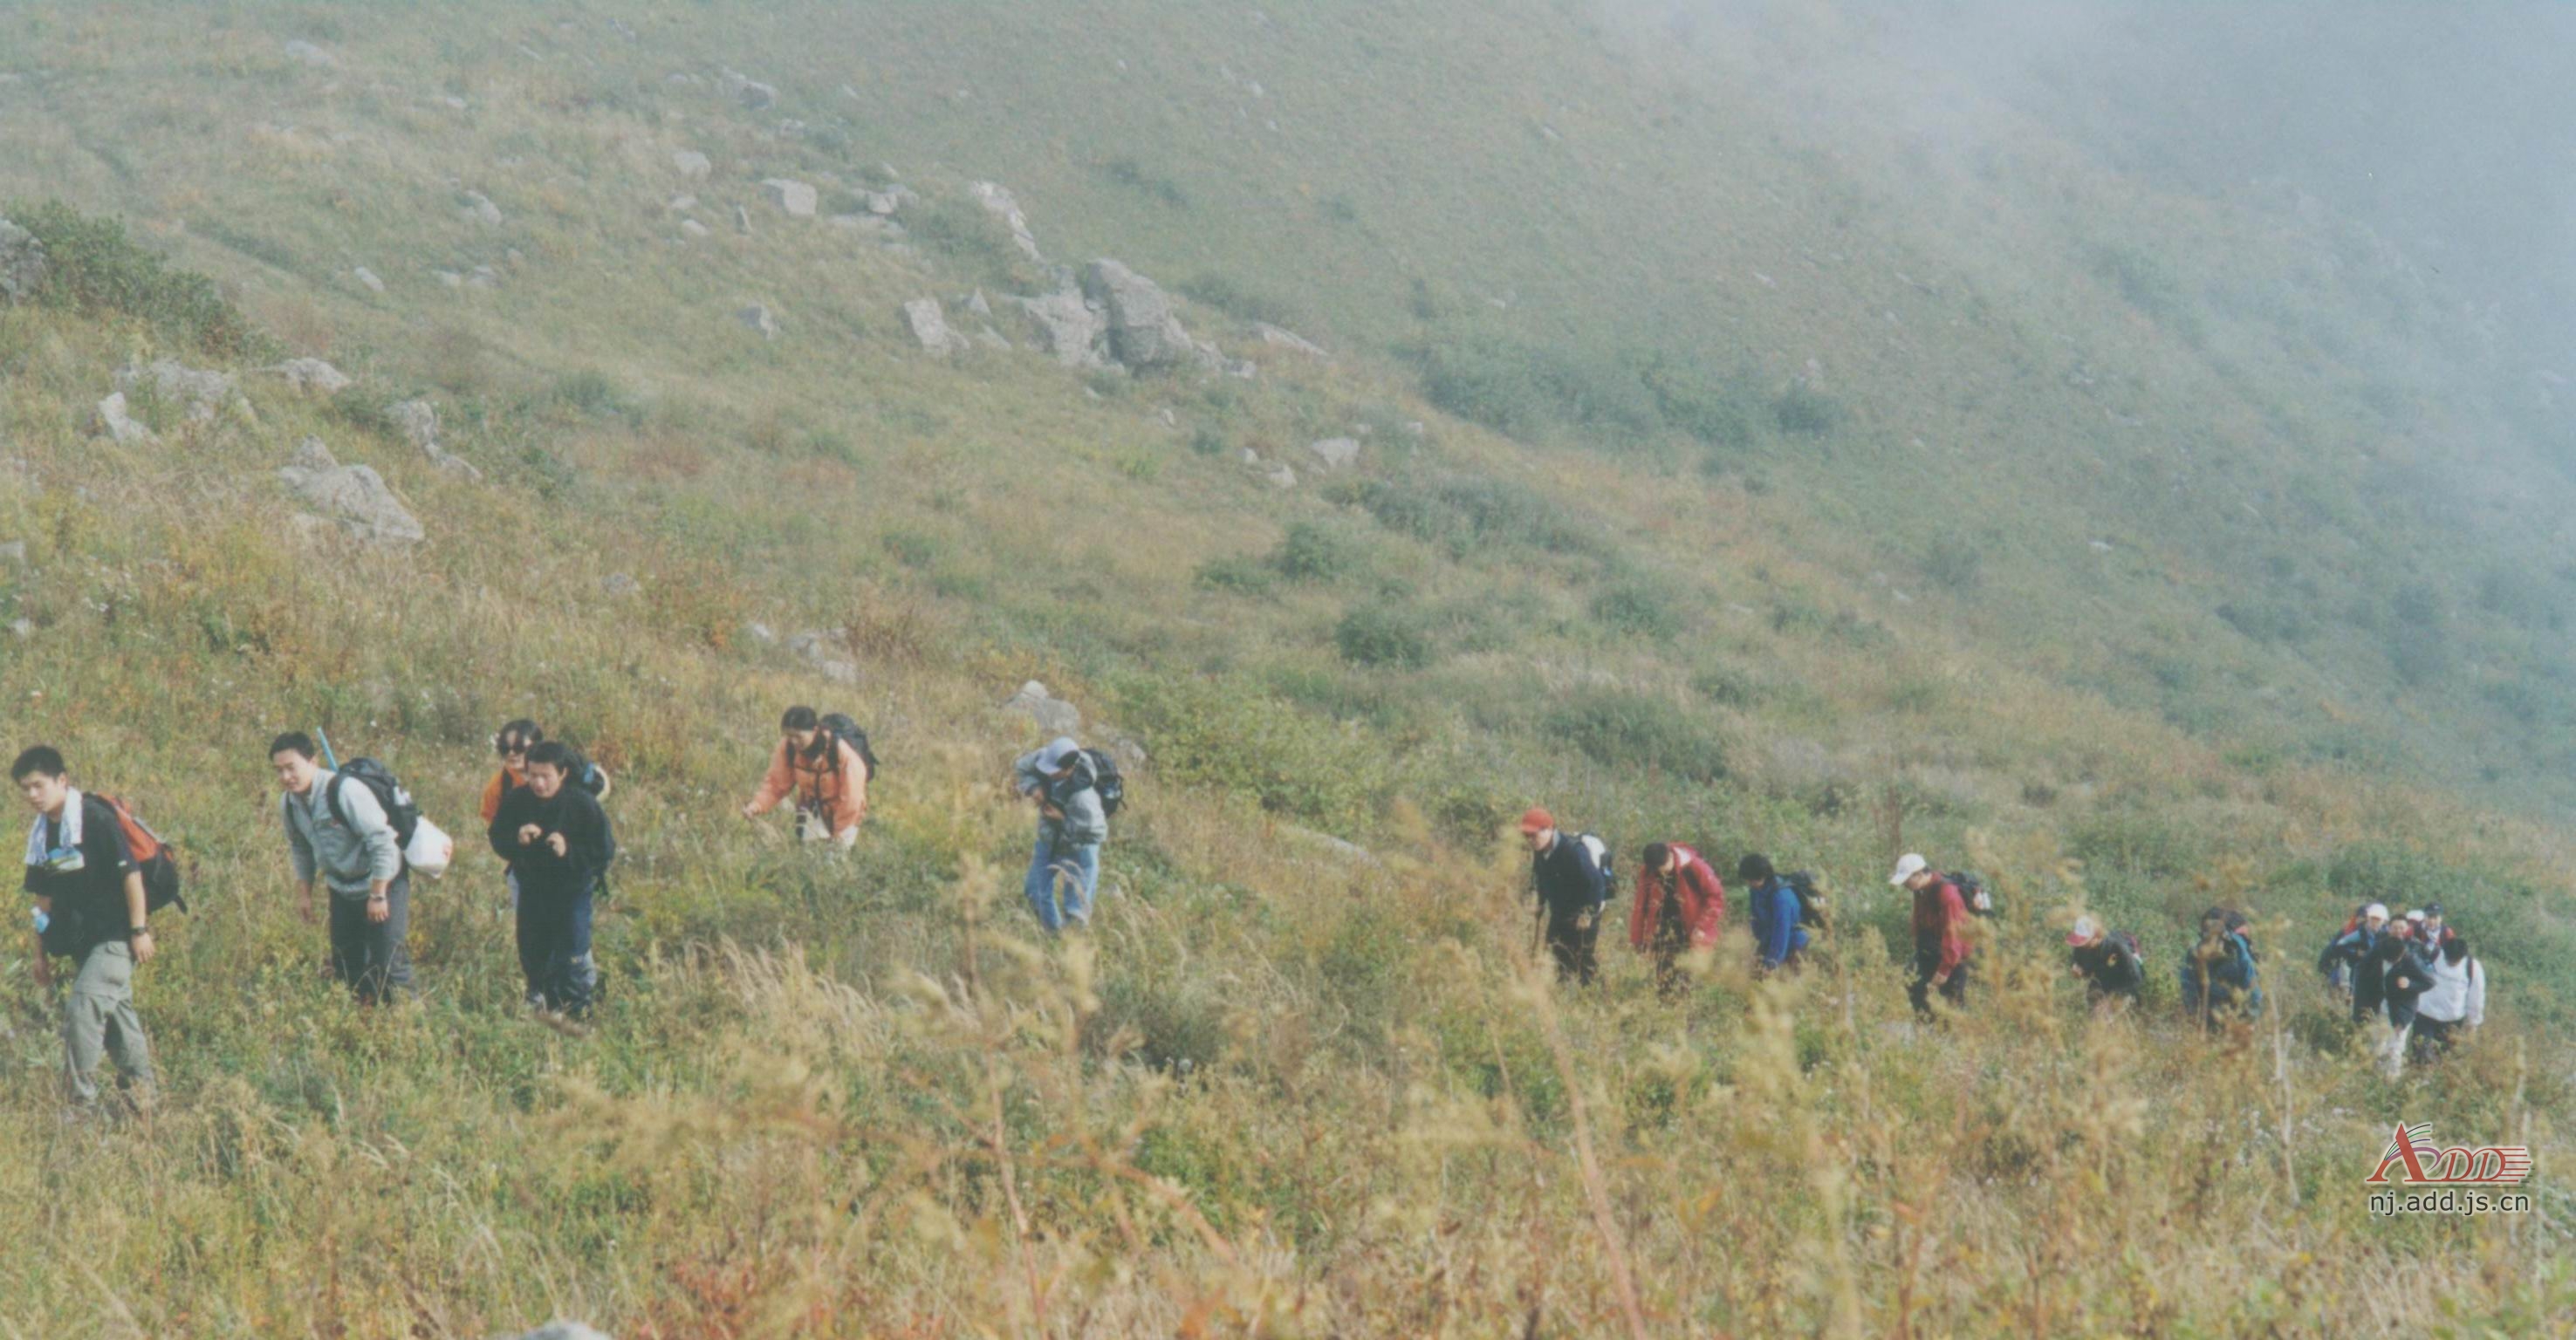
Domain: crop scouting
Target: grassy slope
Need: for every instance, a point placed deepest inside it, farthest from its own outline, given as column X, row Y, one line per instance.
column 1369, row 1089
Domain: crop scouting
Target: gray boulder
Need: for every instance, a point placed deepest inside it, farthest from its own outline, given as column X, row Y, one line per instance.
column 692, row 165
column 353, row 497
column 367, row 279
column 22, row 263
column 417, row 420
column 751, row 93
column 997, row 201
column 1279, row 337
column 477, row 207
column 826, row 652
column 928, row 325
column 13, row 554
column 1144, row 331
column 1336, row 452
column 1054, row 716
column 760, row 319
column 312, row 376
column 1066, row 326
column 793, row 198
column 119, row 426
column 199, row 392
column 692, row 228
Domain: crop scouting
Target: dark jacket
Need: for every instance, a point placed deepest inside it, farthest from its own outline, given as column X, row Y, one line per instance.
column 1695, row 899
column 1940, row 928
column 1777, row 932
column 2111, row 967
column 1568, row 882
column 2398, row 1000
column 2345, row 951
column 589, row 843
column 2370, row 976
column 87, row 886
column 2231, row 980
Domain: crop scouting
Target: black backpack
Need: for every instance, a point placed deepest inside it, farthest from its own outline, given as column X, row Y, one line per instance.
column 399, row 808
column 1811, row 899
column 1105, row 780
column 842, row 726
column 1973, row 892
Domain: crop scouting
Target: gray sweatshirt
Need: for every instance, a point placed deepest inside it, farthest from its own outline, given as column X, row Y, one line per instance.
column 352, row 856
column 1085, row 823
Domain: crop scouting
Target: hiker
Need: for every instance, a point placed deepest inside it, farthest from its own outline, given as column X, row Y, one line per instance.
column 2437, row 931
column 341, row 835
column 557, row 841
column 1941, row 950
column 2370, row 969
column 512, row 743
column 2456, row 1000
column 89, row 908
column 1780, row 914
column 2402, row 978
column 2344, row 953
column 1570, row 878
column 1063, row 781
column 2221, row 979
column 2107, row 962
column 1681, row 904
column 829, row 776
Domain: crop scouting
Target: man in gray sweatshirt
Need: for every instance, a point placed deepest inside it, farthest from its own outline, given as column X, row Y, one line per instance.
column 1072, row 823
column 354, row 852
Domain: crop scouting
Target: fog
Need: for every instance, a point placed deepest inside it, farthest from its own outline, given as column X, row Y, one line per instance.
column 2449, row 130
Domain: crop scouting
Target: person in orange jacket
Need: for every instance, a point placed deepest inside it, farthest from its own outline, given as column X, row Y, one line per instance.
column 827, row 774
column 1681, row 903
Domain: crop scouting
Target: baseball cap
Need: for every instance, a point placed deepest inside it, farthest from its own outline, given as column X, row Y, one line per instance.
column 2379, row 910
column 1537, row 820
column 1908, row 866
column 2432, row 909
column 2415, row 914
column 2085, row 929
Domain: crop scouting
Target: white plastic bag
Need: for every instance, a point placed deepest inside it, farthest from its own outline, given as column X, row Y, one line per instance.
column 431, row 850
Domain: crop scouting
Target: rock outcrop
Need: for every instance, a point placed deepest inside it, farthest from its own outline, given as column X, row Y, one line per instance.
column 312, row 376
column 353, row 497
column 1144, row 332
column 1052, row 715
column 197, row 392
column 930, row 326
column 22, row 263
column 793, row 198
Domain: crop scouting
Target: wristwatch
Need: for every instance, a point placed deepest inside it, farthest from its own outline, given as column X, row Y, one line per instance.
column 139, row 930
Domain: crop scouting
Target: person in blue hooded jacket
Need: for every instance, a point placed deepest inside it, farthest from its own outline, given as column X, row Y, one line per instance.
column 2220, row 978
column 1072, row 823
column 1779, row 930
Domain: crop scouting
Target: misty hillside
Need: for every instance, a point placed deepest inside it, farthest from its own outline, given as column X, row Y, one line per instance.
column 1822, row 429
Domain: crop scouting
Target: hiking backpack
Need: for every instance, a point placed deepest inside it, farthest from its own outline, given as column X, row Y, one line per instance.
column 1973, row 892
column 400, row 810
column 1105, row 780
column 1811, row 900
column 1601, row 857
column 151, row 855
column 843, row 726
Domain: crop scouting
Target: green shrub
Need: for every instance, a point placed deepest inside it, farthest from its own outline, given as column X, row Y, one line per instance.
column 1639, row 607
column 1386, row 634
column 1954, row 563
column 1804, row 411
column 1466, row 513
column 967, row 234
column 1627, row 730
column 1226, row 734
column 1232, row 297
column 1239, row 573
column 1146, row 182
column 1317, row 553
column 92, row 265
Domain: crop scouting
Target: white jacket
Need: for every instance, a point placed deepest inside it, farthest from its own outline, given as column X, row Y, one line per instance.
column 2458, row 993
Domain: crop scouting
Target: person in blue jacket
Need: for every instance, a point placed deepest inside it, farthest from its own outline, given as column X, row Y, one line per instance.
column 1779, row 930
column 2220, row 978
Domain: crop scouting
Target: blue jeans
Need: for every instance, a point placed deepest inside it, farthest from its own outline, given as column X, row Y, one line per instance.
column 554, row 949
column 1069, row 873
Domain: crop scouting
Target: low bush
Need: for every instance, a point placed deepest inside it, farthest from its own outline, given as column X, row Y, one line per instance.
column 1386, row 633
column 93, row 265
column 1626, row 730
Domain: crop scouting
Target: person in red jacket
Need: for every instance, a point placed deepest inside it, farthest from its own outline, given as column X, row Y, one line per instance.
column 1941, row 952
column 1681, row 903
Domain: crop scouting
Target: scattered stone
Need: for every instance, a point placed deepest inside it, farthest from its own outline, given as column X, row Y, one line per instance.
column 22, row 263
column 980, row 306
column 310, row 54
column 997, row 200
column 992, row 339
column 478, row 208
column 930, row 327
column 1417, row 430
column 1067, row 327
column 693, row 228
column 1170, row 419
column 450, row 278
column 751, row 93
column 1144, row 332
column 618, row 586
column 484, row 277
column 1284, row 477
column 692, row 165
column 1348, row 851
column 2101, row 546
column 22, row 629
column 367, row 279
column 1282, row 338
column 354, row 497
column 884, row 204
column 1054, row 716
column 758, row 317
column 822, row 649
column 452, row 102
column 1336, row 452
column 560, row 1330
column 117, row 425
column 200, row 392
column 682, row 204
column 417, row 420
column 760, row 633
column 794, row 198
column 13, row 554
column 312, row 376
column 742, row 220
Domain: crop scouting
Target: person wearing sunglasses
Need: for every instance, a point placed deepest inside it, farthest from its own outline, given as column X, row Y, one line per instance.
column 512, row 742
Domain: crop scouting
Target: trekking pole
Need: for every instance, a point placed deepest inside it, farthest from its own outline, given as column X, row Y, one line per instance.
column 329, row 760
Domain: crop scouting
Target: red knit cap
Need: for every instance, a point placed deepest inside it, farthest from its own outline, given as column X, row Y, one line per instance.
column 1537, row 821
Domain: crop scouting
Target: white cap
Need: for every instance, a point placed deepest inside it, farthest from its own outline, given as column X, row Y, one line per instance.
column 2414, row 914
column 2085, row 929
column 1907, row 867
column 2379, row 910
